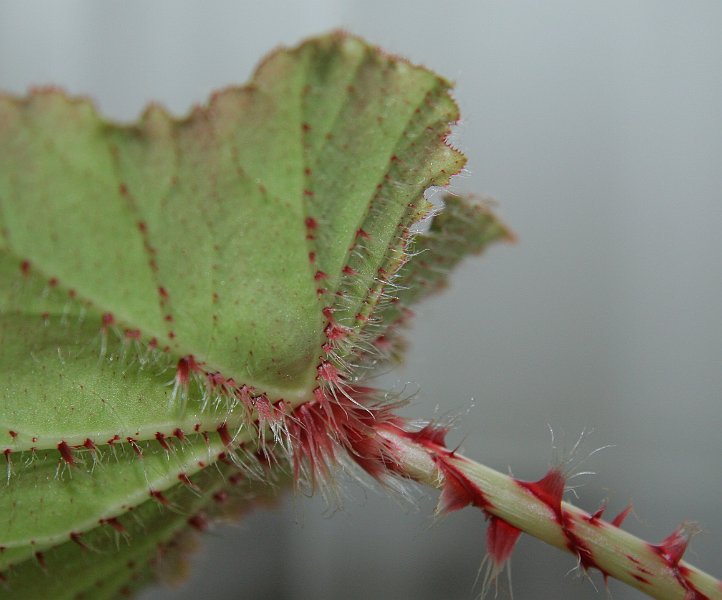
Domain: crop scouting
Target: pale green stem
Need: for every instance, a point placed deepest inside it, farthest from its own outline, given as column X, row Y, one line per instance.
column 618, row 553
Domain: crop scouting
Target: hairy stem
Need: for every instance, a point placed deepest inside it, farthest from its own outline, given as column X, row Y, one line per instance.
column 656, row 570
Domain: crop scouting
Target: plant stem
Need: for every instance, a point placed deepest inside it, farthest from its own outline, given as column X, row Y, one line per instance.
column 656, row 570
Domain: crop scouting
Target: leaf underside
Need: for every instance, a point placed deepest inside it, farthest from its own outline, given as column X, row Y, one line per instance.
column 167, row 287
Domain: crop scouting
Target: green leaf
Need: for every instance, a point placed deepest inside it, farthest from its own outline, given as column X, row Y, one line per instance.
column 167, row 284
column 112, row 556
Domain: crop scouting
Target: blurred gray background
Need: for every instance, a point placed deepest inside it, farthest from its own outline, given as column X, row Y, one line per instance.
column 598, row 128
